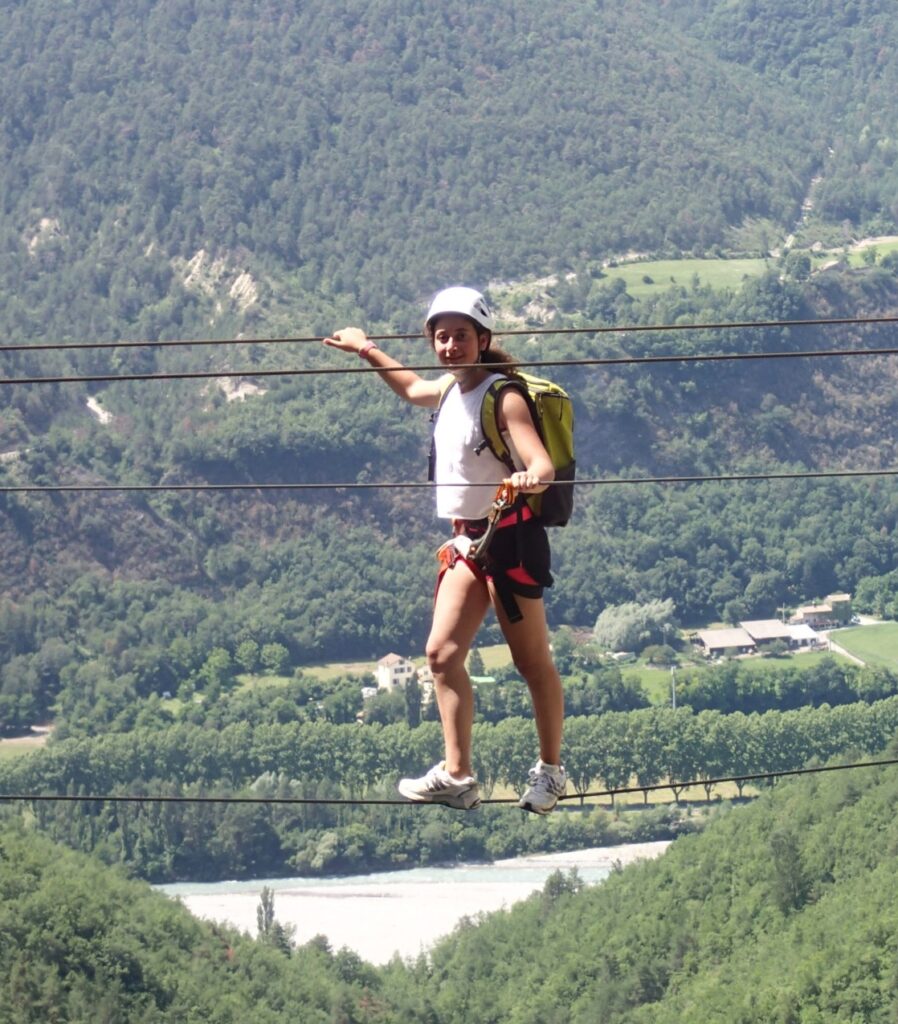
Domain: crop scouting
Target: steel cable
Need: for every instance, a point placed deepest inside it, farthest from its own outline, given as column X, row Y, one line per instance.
column 306, row 371
column 132, row 798
column 60, row 346
column 834, row 474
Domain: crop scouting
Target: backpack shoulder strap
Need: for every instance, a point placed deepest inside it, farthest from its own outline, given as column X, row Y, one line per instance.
column 445, row 382
column 489, row 417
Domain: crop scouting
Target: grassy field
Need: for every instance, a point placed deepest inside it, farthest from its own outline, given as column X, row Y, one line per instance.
column 327, row 672
column 874, row 645
column 855, row 257
column 656, row 681
column 650, row 277
column 11, row 748
column 656, row 276
column 495, row 656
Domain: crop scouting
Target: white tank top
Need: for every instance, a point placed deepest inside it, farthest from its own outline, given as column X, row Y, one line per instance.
column 456, row 436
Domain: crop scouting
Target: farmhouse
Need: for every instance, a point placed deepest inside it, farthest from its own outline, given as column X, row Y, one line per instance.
column 766, row 631
column 802, row 635
column 753, row 635
column 834, row 610
column 720, row 642
column 393, row 672
column 814, row 615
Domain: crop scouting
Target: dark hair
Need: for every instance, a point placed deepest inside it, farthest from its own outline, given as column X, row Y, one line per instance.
column 498, row 357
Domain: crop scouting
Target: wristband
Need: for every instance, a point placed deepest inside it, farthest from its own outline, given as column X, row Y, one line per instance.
column 366, row 348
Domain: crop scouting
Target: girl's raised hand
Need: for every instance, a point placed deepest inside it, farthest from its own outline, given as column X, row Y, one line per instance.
column 349, row 339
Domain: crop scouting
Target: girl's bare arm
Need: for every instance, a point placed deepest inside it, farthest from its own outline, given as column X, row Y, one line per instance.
column 514, row 416
column 406, row 383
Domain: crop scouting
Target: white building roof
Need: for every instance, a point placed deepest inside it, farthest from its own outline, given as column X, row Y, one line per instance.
column 802, row 631
column 389, row 660
column 722, row 639
column 766, row 629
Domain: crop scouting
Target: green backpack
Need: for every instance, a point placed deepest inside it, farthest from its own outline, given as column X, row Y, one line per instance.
column 553, row 415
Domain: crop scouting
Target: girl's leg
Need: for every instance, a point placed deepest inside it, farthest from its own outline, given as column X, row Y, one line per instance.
column 459, row 607
column 528, row 641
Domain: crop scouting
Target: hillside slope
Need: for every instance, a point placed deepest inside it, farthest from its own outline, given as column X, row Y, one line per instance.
column 83, row 944
column 185, row 170
column 785, row 910
column 373, row 150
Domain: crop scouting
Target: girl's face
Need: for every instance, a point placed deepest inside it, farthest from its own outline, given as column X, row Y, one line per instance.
column 456, row 340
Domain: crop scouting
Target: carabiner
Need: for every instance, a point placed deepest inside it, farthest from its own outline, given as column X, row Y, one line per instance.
column 505, row 496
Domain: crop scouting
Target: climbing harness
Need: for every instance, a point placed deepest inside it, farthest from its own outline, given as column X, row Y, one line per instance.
column 475, row 549
column 473, row 546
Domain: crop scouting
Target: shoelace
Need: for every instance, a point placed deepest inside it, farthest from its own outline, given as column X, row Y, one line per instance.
column 436, row 782
column 545, row 781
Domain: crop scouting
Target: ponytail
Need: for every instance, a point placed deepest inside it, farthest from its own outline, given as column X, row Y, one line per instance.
column 497, row 358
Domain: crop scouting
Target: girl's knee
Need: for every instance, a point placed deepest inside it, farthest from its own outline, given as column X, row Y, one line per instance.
column 534, row 670
column 443, row 658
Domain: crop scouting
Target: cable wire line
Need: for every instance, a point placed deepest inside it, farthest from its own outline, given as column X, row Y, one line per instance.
column 713, row 357
column 133, row 798
column 834, row 474
column 59, row 346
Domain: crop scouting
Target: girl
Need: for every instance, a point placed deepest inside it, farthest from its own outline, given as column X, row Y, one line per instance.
column 459, row 326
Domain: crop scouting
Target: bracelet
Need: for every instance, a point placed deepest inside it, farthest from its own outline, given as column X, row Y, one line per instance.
column 366, row 348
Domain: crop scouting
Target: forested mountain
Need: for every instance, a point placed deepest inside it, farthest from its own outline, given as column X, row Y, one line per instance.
column 365, row 150
column 83, row 944
column 784, row 910
column 371, row 151
column 181, row 169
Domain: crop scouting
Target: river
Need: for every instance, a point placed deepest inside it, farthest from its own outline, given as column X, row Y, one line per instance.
column 396, row 912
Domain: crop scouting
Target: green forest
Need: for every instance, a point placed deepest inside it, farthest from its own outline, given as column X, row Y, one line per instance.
column 254, row 177
column 783, row 910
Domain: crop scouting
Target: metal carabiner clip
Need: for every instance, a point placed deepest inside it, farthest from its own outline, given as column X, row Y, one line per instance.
column 505, row 496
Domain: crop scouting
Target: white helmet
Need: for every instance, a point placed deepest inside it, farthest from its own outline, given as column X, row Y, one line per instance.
column 465, row 301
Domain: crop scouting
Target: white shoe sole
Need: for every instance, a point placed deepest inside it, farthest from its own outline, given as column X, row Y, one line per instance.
column 466, row 800
column 526, row 806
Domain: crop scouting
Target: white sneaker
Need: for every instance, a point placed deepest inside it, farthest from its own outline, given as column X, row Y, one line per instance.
column 547, row 783
column 438, row 787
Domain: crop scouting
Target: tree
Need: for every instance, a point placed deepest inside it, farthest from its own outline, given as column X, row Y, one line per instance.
column 275, row 659
column 797, row 265
column 217, row 670
column 789, row 880
column 660, row 654
column 582, row 756
column 564, row 650
column 632, row 626
column 475, row 663
column 386, row 706
column 247, row 655
column 413, row 699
